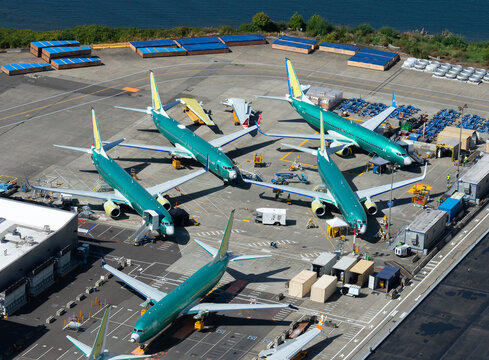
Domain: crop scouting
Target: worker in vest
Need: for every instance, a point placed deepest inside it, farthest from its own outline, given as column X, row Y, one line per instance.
column 448, row 181
column 465, row 160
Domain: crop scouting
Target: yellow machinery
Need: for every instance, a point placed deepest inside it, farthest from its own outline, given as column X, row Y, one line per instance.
column 421, row 196
column 333, row 232
column 300, row 355
column 199, row 325
column 176, row 163
column 133, row 174
column 192, row 116
column 143, row 311
column 258, row 160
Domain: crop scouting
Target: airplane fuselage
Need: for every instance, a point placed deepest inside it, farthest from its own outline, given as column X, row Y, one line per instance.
column 139, row 199
column 176, row 133
column 163, row 313
column 366, row 139
column 346, row 199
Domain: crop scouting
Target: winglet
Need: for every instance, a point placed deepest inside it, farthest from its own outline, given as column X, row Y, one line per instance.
column 321, row 322
column 394, row 102
column 223, row 248
column 295, row 90
column 96, row 135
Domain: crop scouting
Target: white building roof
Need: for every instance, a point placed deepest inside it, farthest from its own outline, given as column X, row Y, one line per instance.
column 22, row 227
column 477, row 172
column 345, row 263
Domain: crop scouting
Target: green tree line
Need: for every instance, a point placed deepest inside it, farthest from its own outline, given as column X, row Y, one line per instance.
column 445, row 45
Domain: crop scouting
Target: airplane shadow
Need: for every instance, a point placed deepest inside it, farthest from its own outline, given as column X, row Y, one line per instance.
column 153, row 160
column 149, row 130
column 137, row 168
column 321, row 345
column 236, row 152
column 257, row 278
column 182, row 199
column 301, row 120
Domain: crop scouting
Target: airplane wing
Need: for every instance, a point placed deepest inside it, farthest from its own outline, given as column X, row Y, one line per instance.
column 175, row 151
column 213, row 251
column 377, row 120
column 241, row 109
column 226, row 139
column 196, row 108
column 144, row 289
column 377, row 190
column 85, row 349
column 325, row 197
column 212, row 307
column 164, row 187
column 330, row 150
column 308, row 136
column 90, row 194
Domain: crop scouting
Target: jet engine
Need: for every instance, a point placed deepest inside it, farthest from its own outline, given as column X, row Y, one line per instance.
column 112, row 209
column 343, row 152
column 370, row 206
column 318, row 207
column 164, row 201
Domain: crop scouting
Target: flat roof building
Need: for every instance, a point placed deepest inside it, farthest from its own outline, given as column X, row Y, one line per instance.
column 475, row 182
column 36, row 243
column 425, row 230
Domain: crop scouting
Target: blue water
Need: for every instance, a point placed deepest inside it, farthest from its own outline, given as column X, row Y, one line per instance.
column 468, row 18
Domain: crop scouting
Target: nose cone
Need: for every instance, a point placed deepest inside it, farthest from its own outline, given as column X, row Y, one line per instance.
column 233, row 175
column 134, row 338
column 362, row 229
column 170, row 230
column 408, row 160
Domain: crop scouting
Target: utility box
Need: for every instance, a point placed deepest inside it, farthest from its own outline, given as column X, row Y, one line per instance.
column 323, row 264
column 358, row 273
column 269, row 216
column 342, row 266
column 300, row 285
column 425, row 230
column 322, row 289
column 475, row 182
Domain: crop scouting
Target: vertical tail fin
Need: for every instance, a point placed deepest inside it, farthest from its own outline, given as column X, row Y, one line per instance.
column 99, row 344
column 223, row 248
column 97, row 142
column 295, row 90
column 156, row 96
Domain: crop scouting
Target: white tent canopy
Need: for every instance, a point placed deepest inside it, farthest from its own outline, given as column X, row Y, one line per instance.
column 336, row 222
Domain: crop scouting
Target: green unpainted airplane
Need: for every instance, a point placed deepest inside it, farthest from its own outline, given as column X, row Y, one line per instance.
column 98, row 351
column 149, row 203
column 339, row 129
column 188, row 144
column 339, row 193
column 185, row 299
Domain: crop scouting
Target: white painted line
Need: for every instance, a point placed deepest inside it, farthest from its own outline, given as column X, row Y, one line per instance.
column 45, row 353
column 29, row 350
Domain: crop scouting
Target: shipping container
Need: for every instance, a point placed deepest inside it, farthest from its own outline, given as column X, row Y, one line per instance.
column 323, row 264
column 322, row 289
column 300, row 285
column 452, row 207
column 358, row 274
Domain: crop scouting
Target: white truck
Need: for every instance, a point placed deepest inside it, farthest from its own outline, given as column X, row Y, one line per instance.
column 270, row 216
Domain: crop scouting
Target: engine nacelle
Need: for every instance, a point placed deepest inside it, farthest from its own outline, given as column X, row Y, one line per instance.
column 164, row 201
column 112, row 209
column 318, row 207
column 343, row 152
column 370, row 206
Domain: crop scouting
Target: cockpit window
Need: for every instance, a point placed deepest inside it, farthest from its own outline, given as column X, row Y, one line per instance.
column 166, row 223
column 228, row 167
column 137, row 330
column 400, row 154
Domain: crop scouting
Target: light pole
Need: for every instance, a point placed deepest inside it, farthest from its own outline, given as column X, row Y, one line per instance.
column 461, row 109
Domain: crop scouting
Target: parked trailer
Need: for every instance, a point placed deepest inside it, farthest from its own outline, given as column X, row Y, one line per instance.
column 268, row 216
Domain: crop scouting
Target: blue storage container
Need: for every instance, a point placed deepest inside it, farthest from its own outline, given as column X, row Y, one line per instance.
column 451, row 206
column 414, row 137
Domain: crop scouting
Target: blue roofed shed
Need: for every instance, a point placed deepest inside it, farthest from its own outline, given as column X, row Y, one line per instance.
column 388, row 278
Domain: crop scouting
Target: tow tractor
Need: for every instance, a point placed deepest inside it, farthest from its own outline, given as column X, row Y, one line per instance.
column 281, row 178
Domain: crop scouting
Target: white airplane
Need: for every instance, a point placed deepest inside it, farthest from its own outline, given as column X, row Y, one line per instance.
column 241, row 110
column 194, row 110
column 98, row 351
column 290, row 348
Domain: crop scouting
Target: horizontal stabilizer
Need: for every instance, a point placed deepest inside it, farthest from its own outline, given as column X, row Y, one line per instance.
column 280, row 98
column 211, row 250
column 330, row 150
column 85, row 150
column 109, row 145
column 128, row 357
column 247, row 257
column 142, row 111
column 85, row 349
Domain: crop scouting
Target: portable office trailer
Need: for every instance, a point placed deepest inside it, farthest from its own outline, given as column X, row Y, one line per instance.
column 358, row 273
column 425, row 230
column 323, row 264
column 300, row 285
column 322, row 289
column 387, row 279
column 342, row 266
column 475, row 182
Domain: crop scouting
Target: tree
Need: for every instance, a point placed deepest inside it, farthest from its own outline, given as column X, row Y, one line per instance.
column 316, row 25
column 389, row 32
column 296, row 22
column 262, row 21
